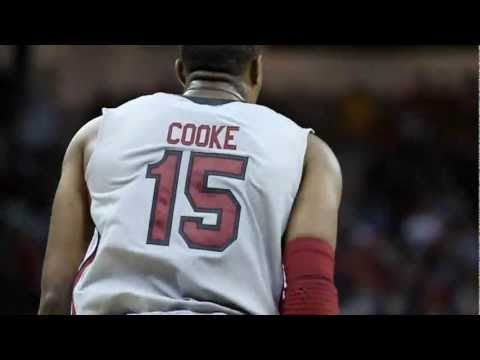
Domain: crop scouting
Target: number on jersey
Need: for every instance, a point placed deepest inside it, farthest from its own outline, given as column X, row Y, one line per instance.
column 202, row 198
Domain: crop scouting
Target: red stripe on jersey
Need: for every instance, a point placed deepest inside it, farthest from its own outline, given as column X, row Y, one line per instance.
column 81, row 270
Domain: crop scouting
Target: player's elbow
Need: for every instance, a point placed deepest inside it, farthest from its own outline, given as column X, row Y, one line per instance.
column 53, row 302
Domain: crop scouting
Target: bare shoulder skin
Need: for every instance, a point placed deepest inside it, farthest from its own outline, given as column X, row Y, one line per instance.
column 315, row 213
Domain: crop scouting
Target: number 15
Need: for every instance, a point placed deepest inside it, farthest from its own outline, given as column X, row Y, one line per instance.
column 201, row 197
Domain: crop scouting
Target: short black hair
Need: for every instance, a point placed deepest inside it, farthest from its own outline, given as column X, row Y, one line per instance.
column 228, row 59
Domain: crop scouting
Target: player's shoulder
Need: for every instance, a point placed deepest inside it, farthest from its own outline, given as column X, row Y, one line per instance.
column 87, row 132
column 268, row 112
column 141, row 103
column 321, row 157
column 265, row 112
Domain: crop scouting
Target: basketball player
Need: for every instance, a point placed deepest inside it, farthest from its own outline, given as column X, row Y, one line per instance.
column 204, row 203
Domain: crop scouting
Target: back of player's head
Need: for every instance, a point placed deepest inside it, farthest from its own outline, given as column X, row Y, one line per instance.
column 233, row 60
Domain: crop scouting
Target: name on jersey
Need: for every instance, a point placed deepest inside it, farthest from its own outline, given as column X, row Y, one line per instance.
column 206, row 136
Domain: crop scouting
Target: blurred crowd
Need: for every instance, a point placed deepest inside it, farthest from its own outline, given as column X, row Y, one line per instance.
column 408, row 238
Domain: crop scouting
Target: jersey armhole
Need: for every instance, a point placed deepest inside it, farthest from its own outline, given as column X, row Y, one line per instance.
column 99, row 137
column 309, row 132
column 306, row 134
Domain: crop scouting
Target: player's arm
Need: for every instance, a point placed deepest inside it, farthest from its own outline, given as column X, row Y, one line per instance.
column 311, row 236
column 70, row 228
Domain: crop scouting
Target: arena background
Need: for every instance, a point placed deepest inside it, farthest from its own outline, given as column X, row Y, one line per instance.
column 402, row 121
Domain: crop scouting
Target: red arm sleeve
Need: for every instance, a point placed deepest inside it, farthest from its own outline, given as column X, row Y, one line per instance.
column 309, row 269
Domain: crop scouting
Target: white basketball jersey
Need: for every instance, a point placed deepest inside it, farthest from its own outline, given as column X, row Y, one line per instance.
column 190, row 199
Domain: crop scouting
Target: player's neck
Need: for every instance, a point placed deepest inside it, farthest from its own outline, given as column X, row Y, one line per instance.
column 215, row 88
